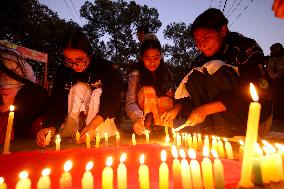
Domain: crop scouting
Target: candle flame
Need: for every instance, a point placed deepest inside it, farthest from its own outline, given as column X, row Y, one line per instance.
column 199, row 135
column 45, row 172
column 241, row 142
column 189, row 135
column 57, row 136
column 280, row 147
column 205, row 151
column 106, row 135
column 182, row 153
column 109, row 161
column 191, row 153
column 218, row 138
column 213, row 137
column 253, row 92
column 123, row 157
column 167, row 139
column 142, row 159
column 194, row 134
column 265, row 143
column 24, row 175
column 214, row 153
column 267, row 150
column 163, row 155
column 1, row 180
column 206, row 137
column 68, row 165
column 12, row 108
column 174, row 152
column 259, row 151
column 117, row 133
column 225, row 139
column 89, row 165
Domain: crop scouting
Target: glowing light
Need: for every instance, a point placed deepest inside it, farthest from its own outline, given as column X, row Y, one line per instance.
column 142, row 159
column 191, row 153
column 163, row 155
column 205, row 151
column 89, row 165
column 68, row 165
column 253, row 92
column 45, row 172
column 12, row 108
column 23, row 175
column 123, row 157
column 109, row 161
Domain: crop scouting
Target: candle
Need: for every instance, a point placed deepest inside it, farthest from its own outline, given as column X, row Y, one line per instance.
column 44, row 180
column 265, row 169
column 78, row 136
column 143, row 174
column 182, row 139
column 166, row 130
column 274, row 172
column 178, row 139
column 189, row 141
column 106, row 139
column 107, row 175
column 147, row 136
column 87, row 181
column 24, row 182
column 117, row 139
column 218, row 170
column 206, row 141
column 3, row 185
column 176, row 169
column 174, row 137
column 167, row 140
column 251, row 138
column 185, row 171
column 195, row 170
column 133, row 139
column 194, row 142
column 221, row 151
column 241, row 150
column 214, row 144
column 57, row 142
column 48, row 138
column 199, row 141
column 122, row 173
column 207, row 172
column 65, row 181
column 88, row 140
column 229, row 151
column 256, row 168
column 6, row 149
column 98, row 138
column 163, row 172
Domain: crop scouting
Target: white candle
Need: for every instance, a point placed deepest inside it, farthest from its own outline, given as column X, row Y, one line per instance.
column 251, row 139
column 88, row 140
column 122, row 173
column 65, row 181
column 48, row 138
column 147, row 137
column 44, row 180
column 163, row 172
column 194, row 142
column 189, row 141
column 167, row 143
column 221, row 151
column 199, row 141
column 24, row 182
column 143, row 173
column 117, row 139
column 214, row 144
column 207, row 171
column 176, row 169
column 78, row 136
column 185, row 171
column 107, row 175
column 98, row 138
column 218, row 170
column 195, row 170
column 206, row 142
column 106, row 139
column 229, row 151
column 133, row 140
column 87, row 181
column 57, row 142
column 3, row 185
column 6, row 149
column 241, row 150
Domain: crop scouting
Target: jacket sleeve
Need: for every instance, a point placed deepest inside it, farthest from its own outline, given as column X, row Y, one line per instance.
column 132, row 109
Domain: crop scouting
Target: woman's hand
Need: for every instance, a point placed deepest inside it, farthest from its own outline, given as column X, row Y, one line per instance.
column 40, row 138
column 91, row 128
column 138, row 126
column 170, row 114
column 197, row 116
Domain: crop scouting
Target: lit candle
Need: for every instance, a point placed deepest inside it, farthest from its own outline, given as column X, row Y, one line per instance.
column 195, row 170
column 178, row 139
column 176, row 169
column 229, row 151
column 122, row 173
column 48, row 138
column 166, row 130
column 174, row 137
column 78, row 136
column 274, row 171
column 280, row 163
column 98, row 139
column 107, row 175
column 241, row 150
column 265, row 169
column 88, row 140
column 133, row 139
column 163, row 172
column 221, row 151
column 182, row 139
column 167, row 140
column 3, row 185
column 87, row 181
column 256, row 167
column 147, row 136
column 9, row 131
column 214, row 144
column 218, row 170
column 44, row 180
column 206, row 142
column 106, row 139
column 185, row 171
column 189, row 141
column 24, row 182
column 251, row 138
column 143, row 174
column 207, row 172
column 199, row 141
column 117, row 139
column 57, row 142
column 194, row 142
column 66, row 178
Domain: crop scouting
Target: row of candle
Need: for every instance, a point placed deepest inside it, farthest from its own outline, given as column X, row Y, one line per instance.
column 185, row 174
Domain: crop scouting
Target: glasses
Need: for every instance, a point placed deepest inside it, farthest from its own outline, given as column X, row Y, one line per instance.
column 79, row 62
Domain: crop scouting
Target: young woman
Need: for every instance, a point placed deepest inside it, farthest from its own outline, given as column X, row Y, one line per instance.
column 17, row 88
column 85, row 94
column 217, row 90
column 150, row 89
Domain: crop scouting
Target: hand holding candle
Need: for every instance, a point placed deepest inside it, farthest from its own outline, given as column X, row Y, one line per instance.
column 88, row 179
column 44, row 180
